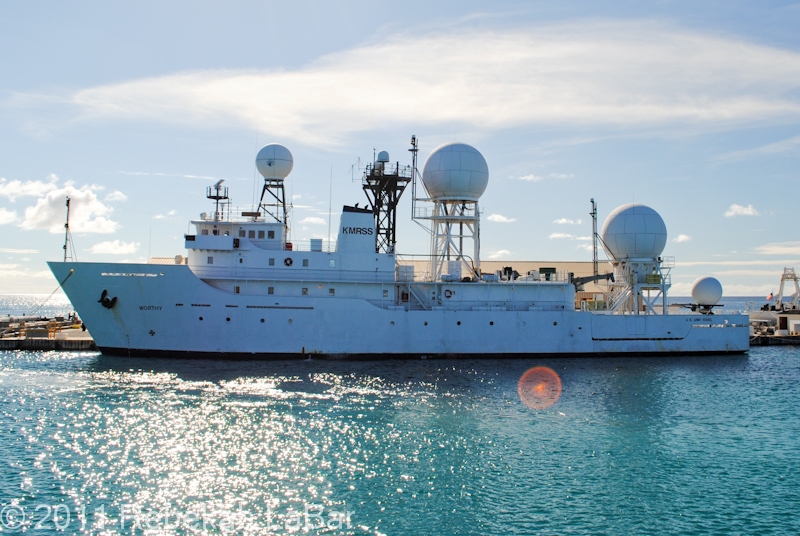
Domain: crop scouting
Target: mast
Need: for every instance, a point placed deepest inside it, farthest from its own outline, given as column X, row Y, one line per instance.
column 593, row 214
column 383, row 185
column 67, row 236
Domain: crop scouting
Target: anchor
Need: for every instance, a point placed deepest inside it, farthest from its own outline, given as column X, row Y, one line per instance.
column 105, row 301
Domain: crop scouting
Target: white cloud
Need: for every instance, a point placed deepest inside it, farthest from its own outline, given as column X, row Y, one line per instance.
column 788, row 145
column 762, row 262
column 115, row 247
column 499, row 218
column 7, row 216
column 537, row 178
column 583, row 238
column 779, row 248
column 682, row 238
column 629, row 73
column 560, row 235
column 180, row 175
column 165, row 216
column 739, row 210
column 566, row 221
column 18, row 271
column 116, row 195
column 87, row 213
column 530, row 178
column 18, row 251
column 313, row 220
column 502, row 254
column 15, row 188
column 775, row 274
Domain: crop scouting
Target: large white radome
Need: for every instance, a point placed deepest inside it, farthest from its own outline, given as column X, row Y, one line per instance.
column 274, row 161
column 456, row 171
column 706, row 291
column 634, row 231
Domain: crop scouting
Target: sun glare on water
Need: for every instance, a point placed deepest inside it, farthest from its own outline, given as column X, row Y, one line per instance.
column 539, row 387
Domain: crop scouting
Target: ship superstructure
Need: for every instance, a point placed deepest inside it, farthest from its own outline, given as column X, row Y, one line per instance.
column 245, row 290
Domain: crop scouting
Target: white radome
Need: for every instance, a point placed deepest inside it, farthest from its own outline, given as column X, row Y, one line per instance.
column 706, row 291
column 634, row 231
column 274, row 161
column 456, row 171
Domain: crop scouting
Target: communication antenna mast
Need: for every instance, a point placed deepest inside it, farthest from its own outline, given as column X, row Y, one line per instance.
column 416, row 215
column 69, row 247
column 218, row 193
column 593, row 214
column 384, row 184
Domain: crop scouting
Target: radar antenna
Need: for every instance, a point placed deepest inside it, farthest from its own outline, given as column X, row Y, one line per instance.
column 274, row 163
column 218, row 193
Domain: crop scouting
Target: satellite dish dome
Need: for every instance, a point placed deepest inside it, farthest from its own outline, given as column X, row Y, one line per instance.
column 383, row 156
column 274, row 161
column 456, row 171
column 706, row 291
column 634, row 231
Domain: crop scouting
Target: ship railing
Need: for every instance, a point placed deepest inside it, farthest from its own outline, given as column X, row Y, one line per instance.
column 314, row 244
column 386, row 169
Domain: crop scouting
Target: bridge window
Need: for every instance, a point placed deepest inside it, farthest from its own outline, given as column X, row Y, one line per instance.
column 215, row 232
column 331, row 292
column 241, row 233
column 204, row 232
column 305, row 262
column 261, row 234
column 272, row 262
column 211, row 260
column 386, row 293
column 271, row 290
column 251, row 234
column 271, row 234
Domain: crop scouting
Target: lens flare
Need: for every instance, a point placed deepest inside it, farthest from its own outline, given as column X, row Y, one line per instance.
column 539, row 388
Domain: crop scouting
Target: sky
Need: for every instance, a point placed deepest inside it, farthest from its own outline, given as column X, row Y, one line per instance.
column 134, row 108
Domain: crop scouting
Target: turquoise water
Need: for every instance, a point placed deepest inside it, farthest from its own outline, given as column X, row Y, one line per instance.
column 704, row 445
column 687, row 445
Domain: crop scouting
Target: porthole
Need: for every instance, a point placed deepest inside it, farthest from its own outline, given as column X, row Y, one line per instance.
column 458, row 323
column 391, row 323
column 290, row 320
column 201, row 319
column 425, row 323
column 262, row 320
column 555, row 323
column 228, row 319
column 491, row 323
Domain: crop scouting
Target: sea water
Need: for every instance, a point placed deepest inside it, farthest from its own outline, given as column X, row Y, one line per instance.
column 667, row 445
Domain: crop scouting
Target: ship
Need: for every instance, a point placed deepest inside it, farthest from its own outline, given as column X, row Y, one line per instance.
column 244, row 290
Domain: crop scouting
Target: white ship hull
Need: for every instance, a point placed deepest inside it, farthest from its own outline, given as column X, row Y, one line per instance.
column 167, row 310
